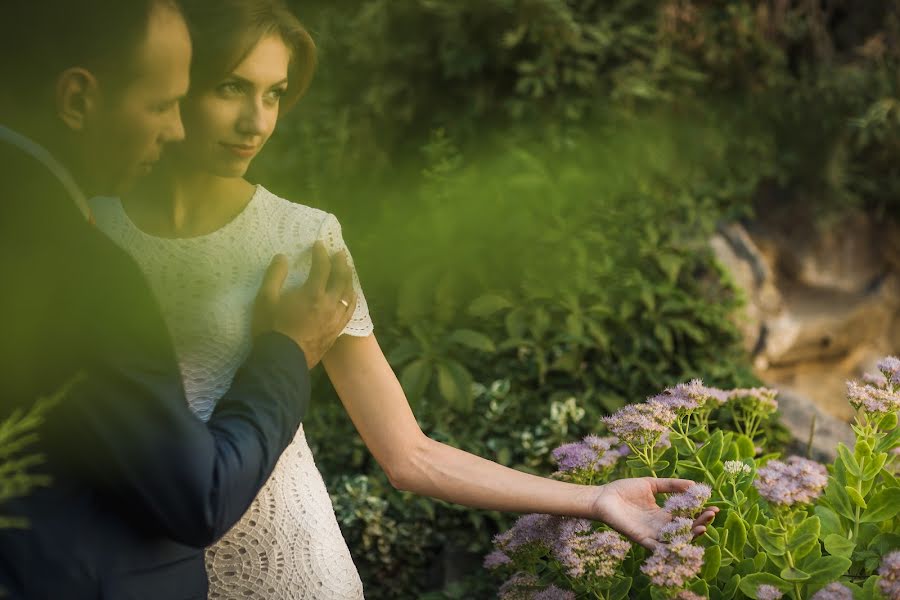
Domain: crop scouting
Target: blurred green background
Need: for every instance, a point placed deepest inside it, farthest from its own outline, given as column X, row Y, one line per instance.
column 528, row 187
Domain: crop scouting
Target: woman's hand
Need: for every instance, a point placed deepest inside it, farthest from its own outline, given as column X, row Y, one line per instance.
column 629, row 507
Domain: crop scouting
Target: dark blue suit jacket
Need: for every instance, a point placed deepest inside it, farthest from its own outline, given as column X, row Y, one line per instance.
column 139, row 485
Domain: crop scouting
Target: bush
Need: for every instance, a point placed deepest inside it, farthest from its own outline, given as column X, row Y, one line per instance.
column 785, row 528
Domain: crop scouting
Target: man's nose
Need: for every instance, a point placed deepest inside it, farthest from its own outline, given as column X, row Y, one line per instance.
column 174, row 131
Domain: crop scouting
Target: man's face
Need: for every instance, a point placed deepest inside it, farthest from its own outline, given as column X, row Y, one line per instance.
column 125, row 135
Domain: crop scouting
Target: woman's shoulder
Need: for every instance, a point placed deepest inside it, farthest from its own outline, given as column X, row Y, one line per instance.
column 294, row 223
column 292, row 212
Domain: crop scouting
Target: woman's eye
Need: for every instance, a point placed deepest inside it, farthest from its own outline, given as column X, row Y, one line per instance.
column 230, row 88
column 276, row 95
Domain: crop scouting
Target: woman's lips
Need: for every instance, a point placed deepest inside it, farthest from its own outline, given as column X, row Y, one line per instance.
column 241, row 150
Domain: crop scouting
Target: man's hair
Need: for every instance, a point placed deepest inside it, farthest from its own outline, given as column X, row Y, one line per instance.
column 39, row 39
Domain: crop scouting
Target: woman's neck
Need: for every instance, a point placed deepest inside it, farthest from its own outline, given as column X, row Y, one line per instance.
column 175, row 204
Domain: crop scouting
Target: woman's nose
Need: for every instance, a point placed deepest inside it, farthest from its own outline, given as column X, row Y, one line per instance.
column 253, row 117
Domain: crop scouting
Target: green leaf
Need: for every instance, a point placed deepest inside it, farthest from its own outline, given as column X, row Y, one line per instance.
column 620, row 589
column 711, row 451
column 712, row 560
column 712, row 532
column 831, row 522
column 415, row 378
column 667, row 464
column 874, row 466
column 746, row 447
column 888, row 421
column 838, row 545
column 884, row 543
column 839, row 500
column 473, row 340
column 731, row 587
column 855, row 497
column 750, row 583
column 772, row 544
column 737, row 534
column 828, row 569
column 849, row 461
column 882, row 506
column 794, row 575
column 804, row 537
column 487, row 305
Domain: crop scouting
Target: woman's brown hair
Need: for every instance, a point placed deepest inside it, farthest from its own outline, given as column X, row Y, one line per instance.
column 224, row 32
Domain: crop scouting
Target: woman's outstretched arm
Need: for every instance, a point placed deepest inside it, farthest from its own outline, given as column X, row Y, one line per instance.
column 413, row 462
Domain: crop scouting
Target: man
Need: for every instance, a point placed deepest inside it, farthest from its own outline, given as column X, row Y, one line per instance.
column 139, row 485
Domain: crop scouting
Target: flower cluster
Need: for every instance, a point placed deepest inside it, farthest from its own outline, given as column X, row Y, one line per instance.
column 598, row 554
column 889, row 584
column 768, row 592
column 690, row 503
column 890, row 368
column 688, row 397
column 678, row 530
column 520, row 586
column 833, row 591
column 640, row 425
column 736, row 468
column 872, row 398
column 797, row 481
column 593, row 453
column 758, row 399
column 688, row 595
column 673, row 565
column 528, row 529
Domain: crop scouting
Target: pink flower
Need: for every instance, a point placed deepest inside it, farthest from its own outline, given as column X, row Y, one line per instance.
column 833, row 591
column 872, row 399
column 759, row 399
column 673, row 565
column 687, row 397
column 798, row 481
column 598, row 554
column 593, row 453
column 554, row 593
column 495, row 559
column 690, row 503
column 677, row 530
column 889, row 584
column 640, row 425
column 768, row 592
column 688, row 595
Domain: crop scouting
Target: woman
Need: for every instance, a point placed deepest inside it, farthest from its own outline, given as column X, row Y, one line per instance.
column 204, row 236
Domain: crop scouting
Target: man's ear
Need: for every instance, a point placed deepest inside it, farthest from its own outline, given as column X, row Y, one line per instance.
column 77, row 95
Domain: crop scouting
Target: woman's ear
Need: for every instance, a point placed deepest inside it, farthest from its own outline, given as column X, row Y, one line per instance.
column 77, row 95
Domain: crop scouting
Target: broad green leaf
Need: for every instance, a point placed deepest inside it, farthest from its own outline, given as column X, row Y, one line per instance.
column 712, row 560
column 884, row 543
column 620, row 589
column 888, row 421
column 855, row 497
column 731, row 587
column 487, row 305
column 849, row 461
column 794, row 575
column 415, row 378
column 473, row 340
column 874, row 465
column 711, row 450
column 839, row 500
column 737, row 534
column 838, row 545
column 827, row 569
column 831, row 522
column 746, row 447
column 771, row 543
column 804, row 537
column 882, row 506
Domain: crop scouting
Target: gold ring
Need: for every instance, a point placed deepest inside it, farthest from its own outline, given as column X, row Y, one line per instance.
column 345, row 303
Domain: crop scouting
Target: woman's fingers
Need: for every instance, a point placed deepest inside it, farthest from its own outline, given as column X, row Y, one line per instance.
column 670, row 486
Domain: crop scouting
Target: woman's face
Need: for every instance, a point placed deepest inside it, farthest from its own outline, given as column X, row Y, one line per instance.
column 227, row 125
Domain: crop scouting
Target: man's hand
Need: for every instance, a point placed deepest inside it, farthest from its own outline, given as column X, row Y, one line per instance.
column 314, row 314
column 629, row 507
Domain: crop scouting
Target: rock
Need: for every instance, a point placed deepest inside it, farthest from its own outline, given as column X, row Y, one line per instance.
column 801, row 416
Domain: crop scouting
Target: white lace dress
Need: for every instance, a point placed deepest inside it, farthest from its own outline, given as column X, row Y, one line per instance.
column 288, row 545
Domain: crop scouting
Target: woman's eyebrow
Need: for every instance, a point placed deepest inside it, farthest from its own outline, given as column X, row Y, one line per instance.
column 247, row 82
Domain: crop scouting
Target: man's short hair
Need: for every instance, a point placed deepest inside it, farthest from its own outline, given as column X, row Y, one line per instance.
column 39, row 39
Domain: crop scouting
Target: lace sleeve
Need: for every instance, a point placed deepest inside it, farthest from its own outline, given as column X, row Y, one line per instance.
column 360, row 324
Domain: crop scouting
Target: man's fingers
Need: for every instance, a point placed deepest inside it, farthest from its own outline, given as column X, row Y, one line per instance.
column 320, row 270
column 670, row 486
column 273, row 280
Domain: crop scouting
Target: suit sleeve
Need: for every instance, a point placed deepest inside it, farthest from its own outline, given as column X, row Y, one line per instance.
column 128, row 425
